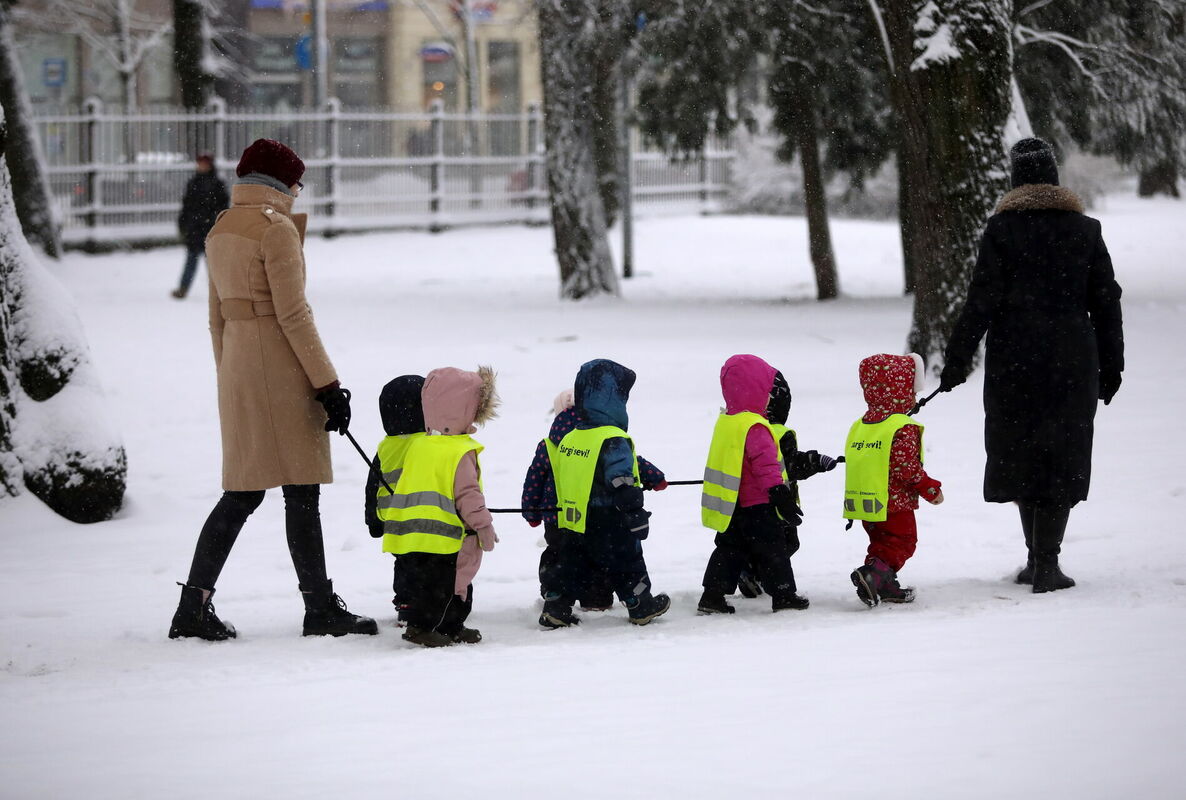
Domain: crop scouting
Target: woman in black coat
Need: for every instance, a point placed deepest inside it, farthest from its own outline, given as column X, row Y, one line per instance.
column 1044, row 291
column 205, row 198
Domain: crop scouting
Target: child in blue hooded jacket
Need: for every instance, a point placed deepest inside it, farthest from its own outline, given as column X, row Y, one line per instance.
column 539, row 492
column 600, row 497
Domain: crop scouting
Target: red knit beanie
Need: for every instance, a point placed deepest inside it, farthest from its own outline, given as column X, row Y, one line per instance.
column 271, row 158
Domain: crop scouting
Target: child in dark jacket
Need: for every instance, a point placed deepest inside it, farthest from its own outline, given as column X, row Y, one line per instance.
column 800, row 465
column 884, row 476
column 402, row 414
column 599, row 492
column 746, row 493
column 539, row 491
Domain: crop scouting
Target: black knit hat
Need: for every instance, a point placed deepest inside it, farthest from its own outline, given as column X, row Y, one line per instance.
column 1033, row 161
column 400, row 407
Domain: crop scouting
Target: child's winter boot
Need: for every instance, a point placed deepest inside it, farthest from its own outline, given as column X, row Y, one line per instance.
column 326, row 614
column 894, row 592
column 645, row 607
column 558, row 613
column 792, row 601
column 466, row 636
column 195, row 617
column 869, row 579
column 748, row 585
column 426, row 638
column 711, row 603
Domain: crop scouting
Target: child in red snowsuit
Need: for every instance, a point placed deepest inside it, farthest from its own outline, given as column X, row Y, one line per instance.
column 890, row 384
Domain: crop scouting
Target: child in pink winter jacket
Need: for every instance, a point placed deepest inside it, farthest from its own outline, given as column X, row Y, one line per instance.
column 436, row 521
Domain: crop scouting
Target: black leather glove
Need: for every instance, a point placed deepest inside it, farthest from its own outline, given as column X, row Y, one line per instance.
column 818, row 462
column 336, row 402
column 783, row 499
column 954, row 373
column 1109, row 385
column 792, row 534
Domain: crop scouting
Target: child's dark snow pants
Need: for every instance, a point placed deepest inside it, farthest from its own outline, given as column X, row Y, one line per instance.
column 606, row 550
column 755, row 539
column 428, row 580
column 596, row 591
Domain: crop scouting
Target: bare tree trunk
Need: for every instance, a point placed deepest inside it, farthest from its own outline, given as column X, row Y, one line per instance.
column 1159, row 179
column 567, row 47
column 952, row 103
column 819, row 236
column 189, row 52
column 30, row 186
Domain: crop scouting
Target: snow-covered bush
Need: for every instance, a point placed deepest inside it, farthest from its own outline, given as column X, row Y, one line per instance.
column 55, row 437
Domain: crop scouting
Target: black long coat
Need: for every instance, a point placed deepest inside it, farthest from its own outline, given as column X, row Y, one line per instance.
column 1044, row 291
column 205, row 197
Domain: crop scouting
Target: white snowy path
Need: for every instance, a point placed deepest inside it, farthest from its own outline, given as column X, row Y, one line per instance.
column 979, row 689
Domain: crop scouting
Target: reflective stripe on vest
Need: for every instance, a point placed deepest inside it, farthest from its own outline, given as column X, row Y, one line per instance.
column 866, row 466
column 574, row 466
column 722, row 473
column 421, row 516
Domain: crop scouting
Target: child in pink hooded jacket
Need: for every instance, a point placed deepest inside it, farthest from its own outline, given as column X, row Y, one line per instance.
column 756, row 533
column 440, row 585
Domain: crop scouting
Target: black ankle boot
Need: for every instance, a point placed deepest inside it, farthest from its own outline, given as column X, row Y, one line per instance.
column 195, row 617
column 326, row 615
column 1026, row 575
column 646, row 607
column 714, row 603
column 557, row 613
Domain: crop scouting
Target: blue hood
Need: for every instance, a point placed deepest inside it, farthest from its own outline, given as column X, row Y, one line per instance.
column 601, row 391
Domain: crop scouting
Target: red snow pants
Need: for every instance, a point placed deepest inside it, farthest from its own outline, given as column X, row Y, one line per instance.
column 894, row 540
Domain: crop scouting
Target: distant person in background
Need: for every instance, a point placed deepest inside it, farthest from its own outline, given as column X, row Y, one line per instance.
column 205, row 197
column 1045, row 294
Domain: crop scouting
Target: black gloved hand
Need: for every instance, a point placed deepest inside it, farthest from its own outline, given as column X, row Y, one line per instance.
column 792, row 535
column 336, row 402
column 783, row 499
column 818, row 462
column 954, row 373
column 1109, row 385
column 638, row 522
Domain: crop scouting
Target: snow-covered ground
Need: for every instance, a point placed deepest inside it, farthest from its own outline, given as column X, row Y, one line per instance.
column 979, row 689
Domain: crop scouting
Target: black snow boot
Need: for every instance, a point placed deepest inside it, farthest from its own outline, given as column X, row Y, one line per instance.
column 466, row 636
column 713, row 604
column 894, row 592
column 426, row 638
column 869, row 579
column 326, row 615
column 794, row 602
column 646, row 607
column 748, row 585
column 1049, row 526
column 558, row 613
column 1026, row 575
column 195, row 617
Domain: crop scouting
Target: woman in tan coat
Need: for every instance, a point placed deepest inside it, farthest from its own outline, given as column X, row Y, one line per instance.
column 278, row 393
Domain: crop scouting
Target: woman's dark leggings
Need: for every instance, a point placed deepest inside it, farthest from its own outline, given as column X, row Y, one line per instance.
column 302, row 524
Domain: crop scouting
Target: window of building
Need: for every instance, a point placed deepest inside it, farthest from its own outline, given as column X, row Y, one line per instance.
column 440, row 74
column 276, row 82
column 357, row 67
column 504, row 91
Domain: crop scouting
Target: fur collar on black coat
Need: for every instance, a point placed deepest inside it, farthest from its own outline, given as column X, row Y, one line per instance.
column 1040, row 197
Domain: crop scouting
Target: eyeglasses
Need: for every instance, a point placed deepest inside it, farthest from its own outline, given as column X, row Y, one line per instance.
column 300, row 186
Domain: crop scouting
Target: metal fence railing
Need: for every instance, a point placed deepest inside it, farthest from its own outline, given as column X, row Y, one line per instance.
column 120, row 175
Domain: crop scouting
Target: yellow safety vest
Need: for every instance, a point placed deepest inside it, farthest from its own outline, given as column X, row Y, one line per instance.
column 866, row 466
column 722, row 473
column 574, row 466
column 392, row 451
column 421, row 516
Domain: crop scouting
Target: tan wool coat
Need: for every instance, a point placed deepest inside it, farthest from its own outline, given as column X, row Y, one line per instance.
column 269, row 357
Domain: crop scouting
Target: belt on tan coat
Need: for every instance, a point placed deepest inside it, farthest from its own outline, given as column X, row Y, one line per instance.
column 238, row 309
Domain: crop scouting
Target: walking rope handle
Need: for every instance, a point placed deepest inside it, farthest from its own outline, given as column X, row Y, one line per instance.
column 370, row 465
column 918, row 406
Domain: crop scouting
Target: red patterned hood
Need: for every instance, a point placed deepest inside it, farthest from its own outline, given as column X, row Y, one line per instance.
column 890, row 383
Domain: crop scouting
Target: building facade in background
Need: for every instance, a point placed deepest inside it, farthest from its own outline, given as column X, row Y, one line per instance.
column 396, row 54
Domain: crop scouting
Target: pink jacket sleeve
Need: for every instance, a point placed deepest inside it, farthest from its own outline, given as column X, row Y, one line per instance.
column 760, row 471
column 470, row 502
